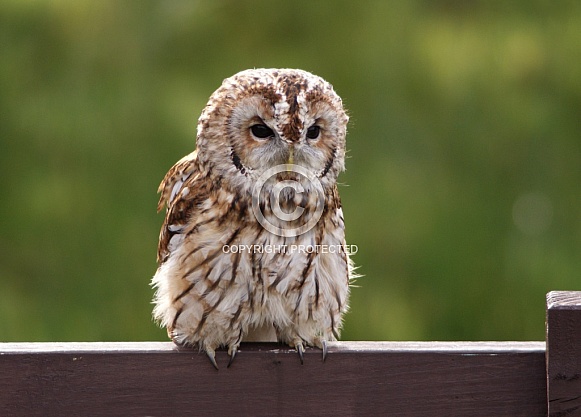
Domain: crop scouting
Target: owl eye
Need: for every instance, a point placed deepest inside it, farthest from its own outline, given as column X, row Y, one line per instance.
column 261, row 131
column 313, row 132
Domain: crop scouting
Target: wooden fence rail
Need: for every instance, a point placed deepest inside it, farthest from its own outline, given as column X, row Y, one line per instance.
column 357, row 379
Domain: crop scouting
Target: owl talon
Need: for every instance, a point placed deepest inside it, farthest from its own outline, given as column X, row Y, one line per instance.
column 324, row 347
column 232, row 354
column 301, row 350
column 212, row 356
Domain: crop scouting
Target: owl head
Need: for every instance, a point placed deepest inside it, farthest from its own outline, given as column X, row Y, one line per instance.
column 262, row 118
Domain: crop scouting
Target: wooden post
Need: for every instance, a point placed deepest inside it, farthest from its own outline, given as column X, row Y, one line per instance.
column 564, row 353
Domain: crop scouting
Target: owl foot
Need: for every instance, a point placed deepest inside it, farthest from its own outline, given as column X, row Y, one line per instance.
column 212, row 356
column 232, row 352
column 301, row 350
column 322, row 344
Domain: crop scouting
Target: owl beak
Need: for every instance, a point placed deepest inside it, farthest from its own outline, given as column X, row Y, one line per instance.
column 291, row 158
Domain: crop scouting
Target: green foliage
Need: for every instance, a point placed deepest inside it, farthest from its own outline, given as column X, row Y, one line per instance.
column 463, row 178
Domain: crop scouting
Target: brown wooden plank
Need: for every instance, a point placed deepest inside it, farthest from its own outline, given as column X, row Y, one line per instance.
column 564, row 353
column 357, row 379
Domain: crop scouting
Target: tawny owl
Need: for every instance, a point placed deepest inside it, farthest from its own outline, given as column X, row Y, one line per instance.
column 253, row 243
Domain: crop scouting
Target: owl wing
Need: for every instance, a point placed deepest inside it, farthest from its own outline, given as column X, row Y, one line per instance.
column 179, row 193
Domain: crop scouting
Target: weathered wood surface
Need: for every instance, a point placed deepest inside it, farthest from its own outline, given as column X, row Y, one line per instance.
column 358, row 379
column 564, row 353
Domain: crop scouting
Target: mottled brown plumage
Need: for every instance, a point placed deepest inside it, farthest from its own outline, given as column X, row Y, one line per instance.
column 252, row 246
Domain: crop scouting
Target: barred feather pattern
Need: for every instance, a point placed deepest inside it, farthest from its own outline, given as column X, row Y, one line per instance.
column 223, row 277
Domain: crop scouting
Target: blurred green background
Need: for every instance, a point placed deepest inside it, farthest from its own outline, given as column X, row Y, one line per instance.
column 463, row 184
